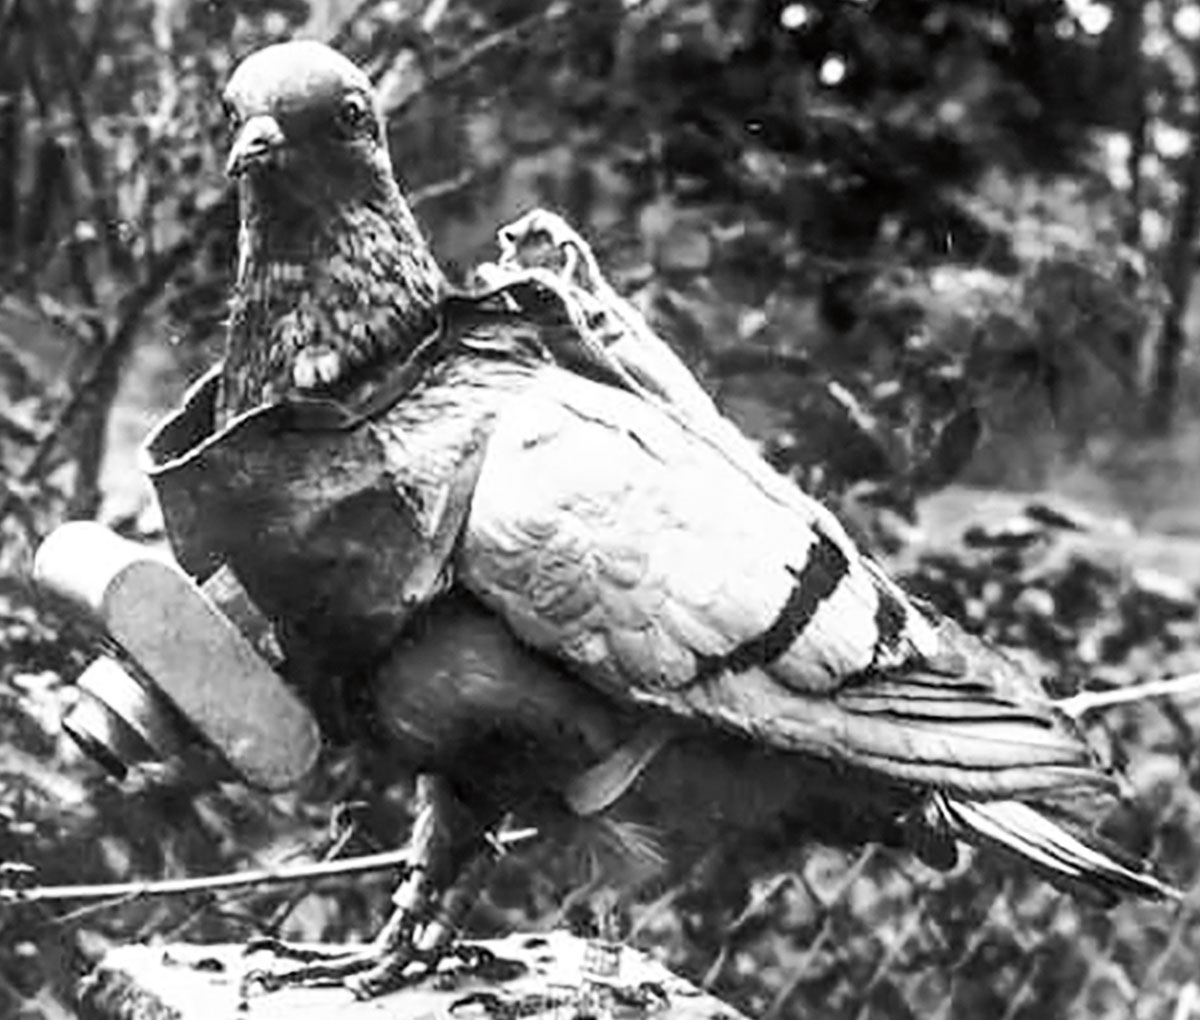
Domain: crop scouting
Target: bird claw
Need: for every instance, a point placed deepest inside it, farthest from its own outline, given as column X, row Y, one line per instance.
column 282, row 950
column 315, row 968
column 372, row 972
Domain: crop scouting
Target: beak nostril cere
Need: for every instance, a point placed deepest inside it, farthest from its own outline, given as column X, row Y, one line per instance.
column 258, row 141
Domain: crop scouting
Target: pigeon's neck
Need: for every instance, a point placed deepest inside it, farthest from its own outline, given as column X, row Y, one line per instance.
column 319, row 297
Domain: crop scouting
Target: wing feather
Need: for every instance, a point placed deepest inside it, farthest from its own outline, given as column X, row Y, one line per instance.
column 704, row 592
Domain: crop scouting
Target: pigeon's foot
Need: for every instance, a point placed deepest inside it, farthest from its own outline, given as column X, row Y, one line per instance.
column 368, row 973
column 419, row 934
column 422, row 930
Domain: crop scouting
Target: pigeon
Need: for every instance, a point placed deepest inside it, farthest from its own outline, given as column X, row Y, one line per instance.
column 620, row 623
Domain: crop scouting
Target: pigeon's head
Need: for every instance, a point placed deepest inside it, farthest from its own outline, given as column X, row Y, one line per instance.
column 307, row 130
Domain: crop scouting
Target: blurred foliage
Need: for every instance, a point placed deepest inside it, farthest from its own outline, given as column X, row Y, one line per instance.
column 901, row 240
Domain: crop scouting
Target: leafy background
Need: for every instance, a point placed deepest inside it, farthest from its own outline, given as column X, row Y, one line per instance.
column 938, row 257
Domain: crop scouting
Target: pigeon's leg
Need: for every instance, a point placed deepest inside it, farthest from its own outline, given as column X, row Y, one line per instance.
column 451, row 859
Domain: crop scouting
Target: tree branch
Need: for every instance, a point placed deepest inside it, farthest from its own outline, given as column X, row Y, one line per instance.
column 63, row 55
column 123, row 892
column 440, row 189
column 1078, row 705
column 16, row 431
column 1139, row 120
column 11, row 136
column 481, row 50
column 1177, row 270
column 342, row 35
column 131, row 311
column 99, row 38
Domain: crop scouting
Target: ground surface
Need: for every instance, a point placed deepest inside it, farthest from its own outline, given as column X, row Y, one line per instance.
column 201, row 983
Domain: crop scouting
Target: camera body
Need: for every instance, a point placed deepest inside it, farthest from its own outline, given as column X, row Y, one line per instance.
column 190, row 673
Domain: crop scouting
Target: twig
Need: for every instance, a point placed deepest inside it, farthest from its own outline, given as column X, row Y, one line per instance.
column 753, row 911
column 479, row 51
column 33, row 77
column 11, row 137
column 1080, row 704
column 65, row 56
column 1018, row 997
column 440, row 189
column 432, row 14
column 133, row 308
column 1177, row 938
column 99, row 38
column 212, row 905
column 800, row 972
column 15, row 501
column 281, row 913
column 1176, row 270
column 343, row 34
column 123, row 892
column 1139, row 121
column 16, row 431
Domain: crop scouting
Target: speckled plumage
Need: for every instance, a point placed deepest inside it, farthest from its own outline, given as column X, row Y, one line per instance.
column 342, row 301
column 333, row 272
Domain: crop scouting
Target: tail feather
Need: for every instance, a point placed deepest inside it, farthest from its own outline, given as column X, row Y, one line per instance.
column 1078, row 860
column 613, row 852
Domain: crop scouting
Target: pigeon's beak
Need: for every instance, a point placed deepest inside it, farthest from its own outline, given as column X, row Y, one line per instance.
column 258, row 141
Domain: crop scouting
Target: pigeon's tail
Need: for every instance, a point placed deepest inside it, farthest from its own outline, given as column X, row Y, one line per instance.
column 1067, row 856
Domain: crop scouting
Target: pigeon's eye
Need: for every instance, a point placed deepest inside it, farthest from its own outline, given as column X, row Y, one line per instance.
column 353, row 115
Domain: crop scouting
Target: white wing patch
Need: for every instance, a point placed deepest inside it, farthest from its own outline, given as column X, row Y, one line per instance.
column 649, row 576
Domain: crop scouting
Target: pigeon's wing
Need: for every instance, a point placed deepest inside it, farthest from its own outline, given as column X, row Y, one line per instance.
column 657, row 567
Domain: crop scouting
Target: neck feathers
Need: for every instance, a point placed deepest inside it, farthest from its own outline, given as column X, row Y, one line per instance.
column 319, row 297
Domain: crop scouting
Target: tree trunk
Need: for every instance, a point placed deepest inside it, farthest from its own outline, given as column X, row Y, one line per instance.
column 11, row 87
column 1137, row 119
column 1178, row 270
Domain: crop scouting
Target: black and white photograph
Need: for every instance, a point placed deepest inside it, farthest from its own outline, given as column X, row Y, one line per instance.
column 599, row 509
